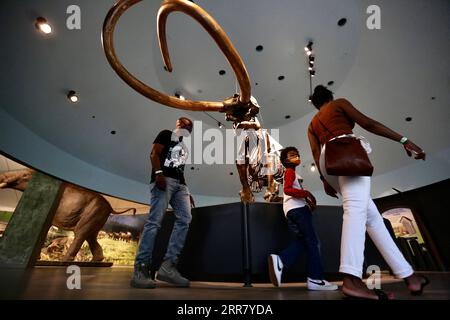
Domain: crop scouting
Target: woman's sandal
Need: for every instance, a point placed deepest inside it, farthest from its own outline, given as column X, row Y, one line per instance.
column 425, row 281
column 380, row 294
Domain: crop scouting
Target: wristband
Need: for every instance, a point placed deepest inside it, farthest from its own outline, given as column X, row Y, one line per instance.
column 403, row 140
column 158, row 172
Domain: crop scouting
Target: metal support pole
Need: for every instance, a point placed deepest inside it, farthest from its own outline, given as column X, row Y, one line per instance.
column 247, row 266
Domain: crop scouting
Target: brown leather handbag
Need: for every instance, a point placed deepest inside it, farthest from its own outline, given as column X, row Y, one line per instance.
column 346, row 156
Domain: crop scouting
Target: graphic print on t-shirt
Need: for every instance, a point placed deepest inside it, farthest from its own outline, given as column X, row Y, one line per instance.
column 176, row 156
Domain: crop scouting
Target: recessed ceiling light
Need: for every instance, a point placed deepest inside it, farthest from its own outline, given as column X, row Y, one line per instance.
column 72, row 96
column 342, row 22
column 113, row 132
column 256, row 83
column 43, row 26
column 408, row 119
column 281, row 78
column 231, row 173
column 93, row 117
column 287, row 116
column 330, row 83
column 222, row 72
column 313, row 167
column 259, row 48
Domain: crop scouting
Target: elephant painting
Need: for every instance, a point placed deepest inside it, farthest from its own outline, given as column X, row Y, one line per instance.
column 80, row 210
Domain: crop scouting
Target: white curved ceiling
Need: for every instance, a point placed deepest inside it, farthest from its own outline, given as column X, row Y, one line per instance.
column 389, row 74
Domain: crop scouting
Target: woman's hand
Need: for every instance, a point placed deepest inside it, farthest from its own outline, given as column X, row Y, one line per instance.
column 410, row 147
column 329, row 190
column 311, row 201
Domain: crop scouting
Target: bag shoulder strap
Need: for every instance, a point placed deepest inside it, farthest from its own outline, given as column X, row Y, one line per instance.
column 321, row 123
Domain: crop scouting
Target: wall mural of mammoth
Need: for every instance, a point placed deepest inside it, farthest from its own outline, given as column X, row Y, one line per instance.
column 80, row 210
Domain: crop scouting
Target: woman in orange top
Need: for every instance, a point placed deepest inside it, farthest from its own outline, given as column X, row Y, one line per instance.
column 337, row 118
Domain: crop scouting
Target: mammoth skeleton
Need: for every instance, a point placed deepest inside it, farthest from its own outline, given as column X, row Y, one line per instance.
column 237, row 108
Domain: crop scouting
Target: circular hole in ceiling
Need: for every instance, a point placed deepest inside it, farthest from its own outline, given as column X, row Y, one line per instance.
column 93, row 117
column 408, row 119
column 433, row 98
column 342, row 22
column 330, row 83
column 256, row 83
column 113, row 132
column 287, row 116
column 280, row 78
column 222, row 72
column 259, row 48
column 231, row 173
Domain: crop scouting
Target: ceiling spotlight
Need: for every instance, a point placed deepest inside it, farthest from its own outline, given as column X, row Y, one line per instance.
column 311, row 59
column 72, row 96
column 220, row 125
column 313, row 167
column 312, row 73
column 309, row 99
column 42, row 25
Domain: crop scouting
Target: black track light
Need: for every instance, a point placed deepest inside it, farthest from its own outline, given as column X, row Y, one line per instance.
column 72, row 96
column 42, row 25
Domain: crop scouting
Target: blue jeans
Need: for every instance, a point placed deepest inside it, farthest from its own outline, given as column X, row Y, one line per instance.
column 178, row 196
column 300, row 221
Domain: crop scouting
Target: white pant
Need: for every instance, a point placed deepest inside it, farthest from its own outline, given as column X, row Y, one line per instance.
column 360, row 213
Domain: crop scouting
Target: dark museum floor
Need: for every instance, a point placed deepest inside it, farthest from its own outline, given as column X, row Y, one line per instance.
column 113, row 283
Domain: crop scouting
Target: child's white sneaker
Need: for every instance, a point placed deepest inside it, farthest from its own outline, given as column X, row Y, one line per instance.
column 275, row 269
column 321, row 285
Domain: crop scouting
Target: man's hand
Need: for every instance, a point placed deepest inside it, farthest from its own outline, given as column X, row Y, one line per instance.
column 329, row 190
column 161, row 182
column 411, row 147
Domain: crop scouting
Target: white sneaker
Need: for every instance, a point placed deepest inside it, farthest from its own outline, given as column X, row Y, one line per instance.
column 321, row 285
column 275, row 269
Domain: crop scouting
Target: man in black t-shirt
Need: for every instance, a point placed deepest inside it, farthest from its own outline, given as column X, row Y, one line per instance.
column 168, row 157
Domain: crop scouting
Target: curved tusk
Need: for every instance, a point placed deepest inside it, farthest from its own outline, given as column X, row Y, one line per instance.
column 214, row 30
column 208, row 22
